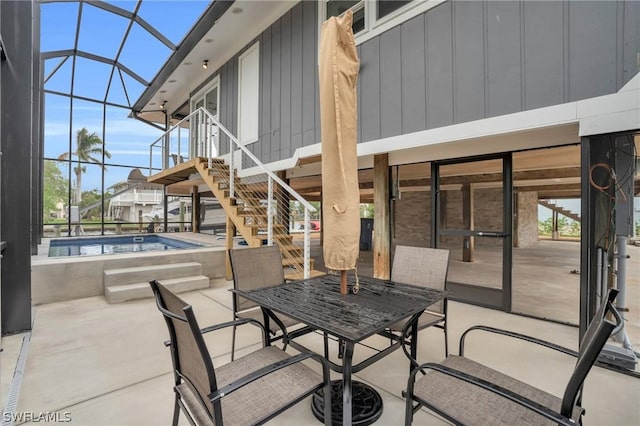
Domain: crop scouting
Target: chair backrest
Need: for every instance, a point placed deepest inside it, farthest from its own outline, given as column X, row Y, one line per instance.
column 422, row 266
column 597, row 334
column 253, row 268
column 191, row 361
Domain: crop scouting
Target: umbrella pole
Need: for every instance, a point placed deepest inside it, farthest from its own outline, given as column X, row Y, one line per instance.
column 343, row 282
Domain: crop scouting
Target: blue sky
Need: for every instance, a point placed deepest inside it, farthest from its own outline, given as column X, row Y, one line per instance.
column 102, row 33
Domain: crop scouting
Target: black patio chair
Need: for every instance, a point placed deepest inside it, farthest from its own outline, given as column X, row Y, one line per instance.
column 466, row 392
column 251, row 390
column 426, row 267
column 258, row 267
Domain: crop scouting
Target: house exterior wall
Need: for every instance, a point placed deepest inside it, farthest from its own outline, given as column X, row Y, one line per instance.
column 527, row 219
column 467, row 60
column 412, row 219
column 487, row 213
column 458, row 62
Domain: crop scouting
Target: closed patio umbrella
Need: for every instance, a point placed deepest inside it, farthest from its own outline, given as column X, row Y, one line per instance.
column 338, row 72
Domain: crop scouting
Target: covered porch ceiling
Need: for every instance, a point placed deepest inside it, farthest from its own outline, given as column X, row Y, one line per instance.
column 551, row 172
column 214, row 39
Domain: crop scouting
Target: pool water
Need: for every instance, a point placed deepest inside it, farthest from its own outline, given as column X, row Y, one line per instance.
column 114, row 245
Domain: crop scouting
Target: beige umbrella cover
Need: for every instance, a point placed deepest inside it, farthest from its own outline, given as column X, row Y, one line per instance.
column 338, row 72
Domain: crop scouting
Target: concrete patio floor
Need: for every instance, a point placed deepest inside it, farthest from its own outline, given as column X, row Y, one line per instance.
column 106, row 364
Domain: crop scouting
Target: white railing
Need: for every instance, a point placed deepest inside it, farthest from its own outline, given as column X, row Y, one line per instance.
column 256, row 189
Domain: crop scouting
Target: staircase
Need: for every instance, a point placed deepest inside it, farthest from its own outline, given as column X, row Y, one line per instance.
column 559, row 209
column 257, row 202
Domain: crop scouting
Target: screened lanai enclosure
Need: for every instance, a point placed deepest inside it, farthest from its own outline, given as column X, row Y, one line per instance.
column 97, row 59
column 108, row 78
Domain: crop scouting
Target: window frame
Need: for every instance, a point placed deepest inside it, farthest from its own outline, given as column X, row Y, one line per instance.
column 254, row 48
column 375, row 27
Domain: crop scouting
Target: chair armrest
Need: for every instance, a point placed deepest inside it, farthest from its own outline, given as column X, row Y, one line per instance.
column 227, row 324
column 264, row 371
column 517, row 336
column 491, row 387
column 232, row 323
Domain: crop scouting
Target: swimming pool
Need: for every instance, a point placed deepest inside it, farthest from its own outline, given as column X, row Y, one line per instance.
column 112, row 245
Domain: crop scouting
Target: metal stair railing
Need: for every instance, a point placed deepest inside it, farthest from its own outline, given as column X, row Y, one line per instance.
column 265, row 203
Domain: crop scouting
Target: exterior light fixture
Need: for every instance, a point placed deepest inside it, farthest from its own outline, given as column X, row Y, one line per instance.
column 163, row 105
column 205, row 64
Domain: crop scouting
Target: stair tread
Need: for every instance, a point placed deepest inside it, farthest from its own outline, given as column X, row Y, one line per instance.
column 166, row 283
column 151, row 267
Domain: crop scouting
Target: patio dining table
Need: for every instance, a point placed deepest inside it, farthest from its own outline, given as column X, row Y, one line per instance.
column 350, row 318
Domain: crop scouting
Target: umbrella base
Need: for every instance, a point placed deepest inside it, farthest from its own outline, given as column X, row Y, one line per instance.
column 366, row 404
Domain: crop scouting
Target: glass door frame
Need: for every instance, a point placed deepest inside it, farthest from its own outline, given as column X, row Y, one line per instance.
column 487, row 297
column 201, row 97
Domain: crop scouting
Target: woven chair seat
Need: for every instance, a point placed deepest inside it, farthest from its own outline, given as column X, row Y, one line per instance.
column 479, row 406
column 283, row 386
column 253, row 402
column 196, row 409
column 427, row 319
column 257, row 315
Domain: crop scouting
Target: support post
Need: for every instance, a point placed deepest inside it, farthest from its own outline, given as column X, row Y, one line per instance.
column 195, row 210
column 381, row 222
column 468, row 243
column 231, row 231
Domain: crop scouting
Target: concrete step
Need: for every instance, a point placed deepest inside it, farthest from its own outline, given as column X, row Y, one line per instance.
column 142, row 290
column 138, row 274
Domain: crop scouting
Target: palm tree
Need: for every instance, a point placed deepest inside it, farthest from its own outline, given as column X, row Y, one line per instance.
column 89, row 149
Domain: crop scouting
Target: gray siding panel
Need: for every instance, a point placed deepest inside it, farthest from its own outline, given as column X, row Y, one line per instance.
column 369, row 86
column 296, row 78
column 285, row 85
column 592, row 49
column 439, row 60
column 316, row 83
column 233, row 69
column 543, row 54
column 309, row 63
column 276, row 91
column 504, row 85
column 359, row 96
column 390, row 84
column 412, row 52
column 226, row 115
column 469, row 56
column 266, row 56
column 631, row 42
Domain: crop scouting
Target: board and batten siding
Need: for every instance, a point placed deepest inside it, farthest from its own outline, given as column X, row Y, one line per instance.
column 458, row 62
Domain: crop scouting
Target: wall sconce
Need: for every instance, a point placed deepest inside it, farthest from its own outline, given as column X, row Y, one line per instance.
column 205, row 64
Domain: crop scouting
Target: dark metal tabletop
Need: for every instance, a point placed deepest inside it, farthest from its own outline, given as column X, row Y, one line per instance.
column 318, row 303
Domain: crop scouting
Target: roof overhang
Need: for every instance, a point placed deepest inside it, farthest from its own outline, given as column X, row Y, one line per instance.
column 223, row 30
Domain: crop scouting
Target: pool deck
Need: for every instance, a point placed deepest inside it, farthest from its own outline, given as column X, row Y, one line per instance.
column 57, row 279
column 106, row 364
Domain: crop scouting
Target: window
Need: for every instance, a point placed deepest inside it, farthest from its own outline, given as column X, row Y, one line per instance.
column 366, row 13
column 338, row 7
column 385, row 7
column 249, row 95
